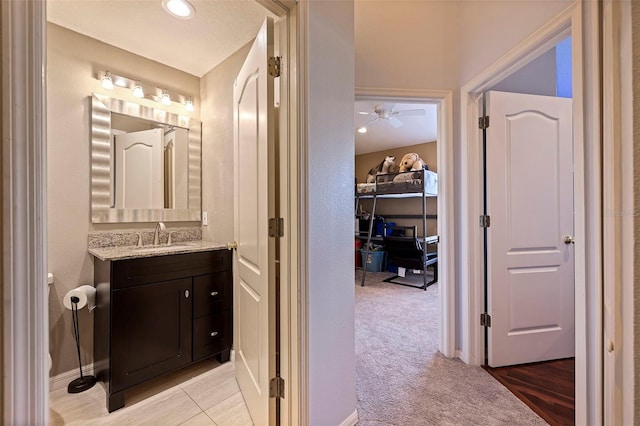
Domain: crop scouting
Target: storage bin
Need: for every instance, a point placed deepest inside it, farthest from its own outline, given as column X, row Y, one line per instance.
column 372, row 261
column 388, row 228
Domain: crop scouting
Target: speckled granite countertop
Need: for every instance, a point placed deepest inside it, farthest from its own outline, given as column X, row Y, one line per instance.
column 133, row 252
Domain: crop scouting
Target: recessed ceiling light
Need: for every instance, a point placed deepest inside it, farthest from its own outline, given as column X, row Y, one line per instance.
column 179, row 8
column 362, row 129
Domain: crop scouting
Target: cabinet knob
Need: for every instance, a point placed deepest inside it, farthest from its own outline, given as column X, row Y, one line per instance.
column 214, row 293
column 214, row 334
column 186, row 294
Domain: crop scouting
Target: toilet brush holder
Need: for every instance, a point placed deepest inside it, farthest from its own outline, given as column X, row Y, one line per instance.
column 83, row 382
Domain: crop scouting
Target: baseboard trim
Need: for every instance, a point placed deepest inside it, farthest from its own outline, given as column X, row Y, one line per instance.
column 352, row 420
column 62, row 380
column 460, row 355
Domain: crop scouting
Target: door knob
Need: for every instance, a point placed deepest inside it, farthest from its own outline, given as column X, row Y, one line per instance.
column 568, row 239
column 232, row 246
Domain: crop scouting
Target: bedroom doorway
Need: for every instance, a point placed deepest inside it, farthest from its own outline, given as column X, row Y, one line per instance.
column 442, row 101
column 400, row 329
column 565, row 27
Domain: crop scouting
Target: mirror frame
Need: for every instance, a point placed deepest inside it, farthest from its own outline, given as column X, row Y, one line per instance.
column 101, row 211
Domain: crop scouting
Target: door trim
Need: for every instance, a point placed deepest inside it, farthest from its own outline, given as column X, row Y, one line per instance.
column 25, row 311
column 618, row 212
column 586, row 126
column 446, row 207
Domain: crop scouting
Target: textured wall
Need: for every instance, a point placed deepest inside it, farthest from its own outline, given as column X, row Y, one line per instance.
column 329, row 209
column 72, row 61
column 216, row 97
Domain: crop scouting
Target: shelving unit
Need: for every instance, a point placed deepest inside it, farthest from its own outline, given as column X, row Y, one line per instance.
column 392, row 191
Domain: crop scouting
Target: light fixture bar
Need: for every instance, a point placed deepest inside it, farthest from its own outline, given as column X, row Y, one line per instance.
column 109, row 81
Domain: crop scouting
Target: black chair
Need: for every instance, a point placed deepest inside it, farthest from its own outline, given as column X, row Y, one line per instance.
column 407, row 252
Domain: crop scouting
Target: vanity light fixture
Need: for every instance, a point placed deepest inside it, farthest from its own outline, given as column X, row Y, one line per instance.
column 179, row 8
column 112, row 81
column 166, row 99
column 189, row 104
column 137, row 90
column 107, row 82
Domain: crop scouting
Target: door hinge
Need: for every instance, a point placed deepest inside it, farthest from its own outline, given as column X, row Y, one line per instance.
column 485, row 320
column 274, row 66
column 276, row 227
column 276, row 387
column 483, row 122
column 485, row 221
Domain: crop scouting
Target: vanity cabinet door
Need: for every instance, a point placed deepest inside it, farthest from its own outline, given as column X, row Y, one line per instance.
column 151, row 331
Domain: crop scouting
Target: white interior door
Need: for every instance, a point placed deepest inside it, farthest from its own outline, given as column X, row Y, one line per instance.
column 139, row 172
column 254, row 189
column 530, row 203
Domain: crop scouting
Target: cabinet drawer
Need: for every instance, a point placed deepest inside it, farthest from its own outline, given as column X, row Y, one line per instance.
column 126, row 273
column 212, row 334
column 212, row 293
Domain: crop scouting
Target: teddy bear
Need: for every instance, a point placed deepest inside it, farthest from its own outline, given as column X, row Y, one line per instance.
column 382, row 168
column 411, row 162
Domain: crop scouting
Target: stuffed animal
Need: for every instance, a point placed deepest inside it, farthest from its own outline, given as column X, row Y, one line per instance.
column 412, row 161
column 382, row 168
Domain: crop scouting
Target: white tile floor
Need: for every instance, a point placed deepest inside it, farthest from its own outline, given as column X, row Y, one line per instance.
column 203, row 394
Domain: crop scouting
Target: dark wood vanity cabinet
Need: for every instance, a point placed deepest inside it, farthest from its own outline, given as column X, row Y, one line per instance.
column 157, row 314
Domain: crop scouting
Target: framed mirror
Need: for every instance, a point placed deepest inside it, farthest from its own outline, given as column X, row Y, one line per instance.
column 145, row 163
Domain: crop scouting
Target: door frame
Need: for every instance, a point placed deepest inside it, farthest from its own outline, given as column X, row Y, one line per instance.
column 24, row 362
column 24, row 307
column 587, row 190
column 446, row 217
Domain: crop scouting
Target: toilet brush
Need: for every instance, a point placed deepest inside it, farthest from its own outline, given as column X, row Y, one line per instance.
column 83, row 382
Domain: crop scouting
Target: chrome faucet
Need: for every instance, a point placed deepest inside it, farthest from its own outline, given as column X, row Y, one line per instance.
column 156, row 236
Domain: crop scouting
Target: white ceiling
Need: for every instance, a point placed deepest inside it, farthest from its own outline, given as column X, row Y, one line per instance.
column 195, row 46
column 143, row 27
column 381, row 135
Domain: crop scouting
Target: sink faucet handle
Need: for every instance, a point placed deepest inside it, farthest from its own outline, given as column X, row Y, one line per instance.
column 169, row 240
column 139, row 239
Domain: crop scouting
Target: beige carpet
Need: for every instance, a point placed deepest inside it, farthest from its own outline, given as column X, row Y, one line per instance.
column 402, row 379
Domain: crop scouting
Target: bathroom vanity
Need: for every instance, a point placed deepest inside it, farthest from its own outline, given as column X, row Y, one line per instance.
column 158, row 311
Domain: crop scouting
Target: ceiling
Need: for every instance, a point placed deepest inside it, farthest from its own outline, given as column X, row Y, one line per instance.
column 143, row 27
column 381, row 135
column 195, row 46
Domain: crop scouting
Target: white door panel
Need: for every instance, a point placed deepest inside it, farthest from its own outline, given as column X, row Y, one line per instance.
column 530, row 202
column 139, row 174
column 254, row 190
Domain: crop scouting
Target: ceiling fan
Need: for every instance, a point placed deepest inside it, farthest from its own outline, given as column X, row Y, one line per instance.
column 385, row 112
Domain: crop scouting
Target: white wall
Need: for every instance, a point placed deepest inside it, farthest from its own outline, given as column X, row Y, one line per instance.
column 538, row 77
column 489, row 29
column 441, row 45
column 72, row 62
column 406, row 44
column 216, row 97
column 329, row 208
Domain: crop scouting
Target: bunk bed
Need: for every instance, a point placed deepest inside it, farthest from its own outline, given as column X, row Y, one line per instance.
column 414, row 184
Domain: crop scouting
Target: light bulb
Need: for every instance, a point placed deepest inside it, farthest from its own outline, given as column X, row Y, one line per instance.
column 107, row 82
column 362, row 129
column 189, row 104
column 165, row 97
column 137, row 90
column 179, row 8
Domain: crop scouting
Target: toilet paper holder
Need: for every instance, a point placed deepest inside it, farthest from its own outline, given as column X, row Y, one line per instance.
column 83, row 382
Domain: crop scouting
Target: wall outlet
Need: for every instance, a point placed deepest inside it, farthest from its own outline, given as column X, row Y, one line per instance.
column 205, row 219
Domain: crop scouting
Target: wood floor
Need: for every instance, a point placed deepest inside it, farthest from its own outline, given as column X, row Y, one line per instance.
column 548, row 388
